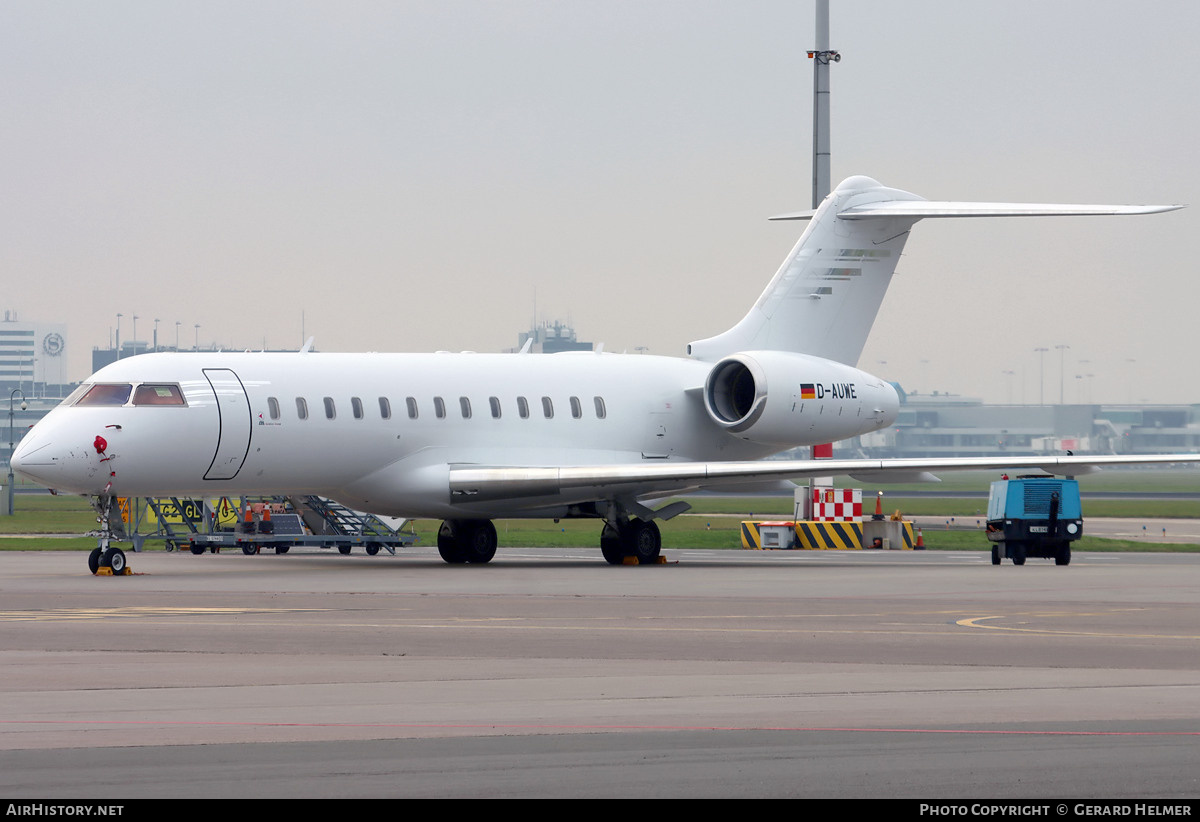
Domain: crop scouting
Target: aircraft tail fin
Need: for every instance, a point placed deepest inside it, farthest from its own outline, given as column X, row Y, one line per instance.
column 824, row 298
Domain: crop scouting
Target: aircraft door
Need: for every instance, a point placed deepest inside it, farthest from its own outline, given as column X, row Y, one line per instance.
column 659, row 440
column 234, row 424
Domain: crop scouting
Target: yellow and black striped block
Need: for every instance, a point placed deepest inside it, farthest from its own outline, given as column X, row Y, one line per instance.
column 829, row 536
column 768, row 535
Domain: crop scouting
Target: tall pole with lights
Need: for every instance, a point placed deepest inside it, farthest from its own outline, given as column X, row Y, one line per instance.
column 822, row 184
column 1062, row 368
column 8, row 510
column 821, row 56
column 1041, row 352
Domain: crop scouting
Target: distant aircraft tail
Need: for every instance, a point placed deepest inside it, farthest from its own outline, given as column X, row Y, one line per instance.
column 824, row 298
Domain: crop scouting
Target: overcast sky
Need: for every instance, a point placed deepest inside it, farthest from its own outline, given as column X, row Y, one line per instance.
column 412, row 176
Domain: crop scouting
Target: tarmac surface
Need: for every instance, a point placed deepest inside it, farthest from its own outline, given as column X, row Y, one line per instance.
column 550, row 673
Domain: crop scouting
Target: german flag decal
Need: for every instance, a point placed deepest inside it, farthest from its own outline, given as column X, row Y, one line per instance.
column 808, row 391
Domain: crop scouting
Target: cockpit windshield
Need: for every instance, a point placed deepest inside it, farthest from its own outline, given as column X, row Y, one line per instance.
column 105, row 394
column 119, row 393
column 151, row 394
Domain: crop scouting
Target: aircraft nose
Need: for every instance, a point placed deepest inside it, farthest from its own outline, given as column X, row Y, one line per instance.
column 35, row 460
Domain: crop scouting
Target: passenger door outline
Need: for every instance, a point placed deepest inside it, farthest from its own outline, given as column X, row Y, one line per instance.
column 234, row 424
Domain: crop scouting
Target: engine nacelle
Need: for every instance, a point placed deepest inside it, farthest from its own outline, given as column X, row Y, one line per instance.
column 785, row 399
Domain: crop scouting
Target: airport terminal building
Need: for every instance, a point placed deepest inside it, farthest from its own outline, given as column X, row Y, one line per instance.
column 945, row 425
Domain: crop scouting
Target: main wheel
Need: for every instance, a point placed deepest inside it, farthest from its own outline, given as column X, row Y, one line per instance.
column 642, row 540
column 114, row 558
column 94, row 560
column 449, row 546
column 478, row 540
column 610, row 545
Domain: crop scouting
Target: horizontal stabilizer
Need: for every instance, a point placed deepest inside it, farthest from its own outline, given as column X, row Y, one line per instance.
column 796, row 215
column 922, row 209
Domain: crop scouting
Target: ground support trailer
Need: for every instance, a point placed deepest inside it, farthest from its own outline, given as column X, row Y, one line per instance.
column 201, row 527
column 1034, row 517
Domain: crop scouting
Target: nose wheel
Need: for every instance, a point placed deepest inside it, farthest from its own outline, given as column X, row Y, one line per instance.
column 109, row 560
column 114, row 559
column 106, row 559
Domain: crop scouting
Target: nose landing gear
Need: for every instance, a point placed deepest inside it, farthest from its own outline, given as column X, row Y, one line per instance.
column 106, row 559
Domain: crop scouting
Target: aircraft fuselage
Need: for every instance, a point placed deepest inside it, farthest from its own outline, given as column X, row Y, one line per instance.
column 381, row 432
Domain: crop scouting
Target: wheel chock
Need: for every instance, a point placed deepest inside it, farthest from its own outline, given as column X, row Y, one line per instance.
column 630, row 561
column 105, row 571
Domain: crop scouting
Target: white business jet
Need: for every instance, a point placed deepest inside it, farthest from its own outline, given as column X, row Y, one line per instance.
column 467, row 438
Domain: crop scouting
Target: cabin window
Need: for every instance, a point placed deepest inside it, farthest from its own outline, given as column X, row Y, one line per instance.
column 439, row 408
column 576, row 408
column 465, row 405
column 523, row 408
column 273, row 407
column 302, row 408
column 330, row 411
column 601, row 411
column 411, row 403
column 151, row 394
column 494, row 402
column 547, row 407
column 106, row 395
column 385, row 408
column 356, row 408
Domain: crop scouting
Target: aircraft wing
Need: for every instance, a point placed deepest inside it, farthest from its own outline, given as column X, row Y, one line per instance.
column 578, row 482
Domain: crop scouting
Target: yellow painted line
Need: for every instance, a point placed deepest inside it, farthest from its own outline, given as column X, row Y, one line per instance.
column 974, row 622
column 142, row 612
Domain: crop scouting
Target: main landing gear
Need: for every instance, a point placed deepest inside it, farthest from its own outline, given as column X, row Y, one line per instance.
column 467, row 540
column 636, row 538
column 474, row 541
